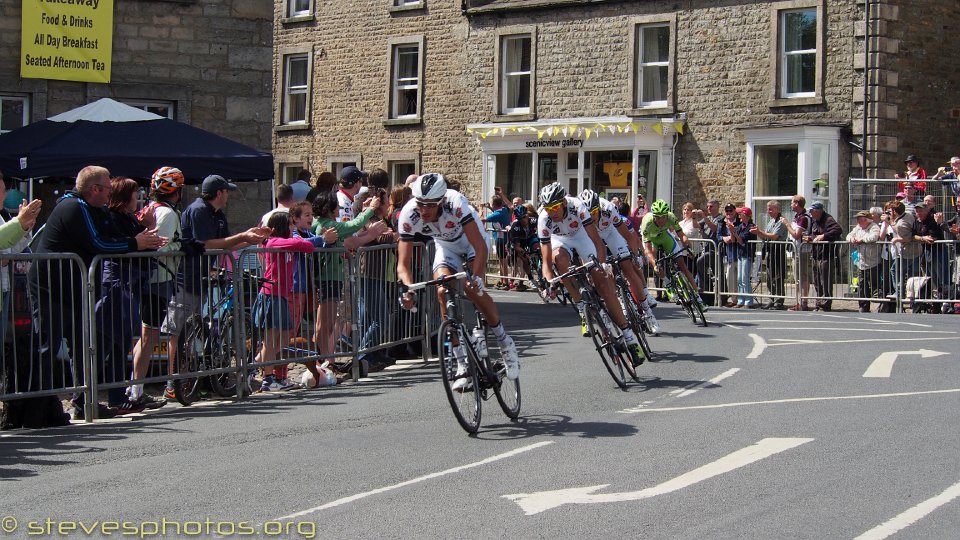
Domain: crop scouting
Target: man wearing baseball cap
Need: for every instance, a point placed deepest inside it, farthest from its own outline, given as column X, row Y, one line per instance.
column 823, row 228
column 351, row 180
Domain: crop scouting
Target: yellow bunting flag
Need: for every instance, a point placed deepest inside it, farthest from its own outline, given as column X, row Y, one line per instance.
column 658, row 127
column 679, row 127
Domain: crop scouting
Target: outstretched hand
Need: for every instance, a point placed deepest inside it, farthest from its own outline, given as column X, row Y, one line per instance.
column 28, row 214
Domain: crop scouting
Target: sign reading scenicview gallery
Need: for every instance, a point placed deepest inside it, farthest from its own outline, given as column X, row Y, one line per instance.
column 67, row 40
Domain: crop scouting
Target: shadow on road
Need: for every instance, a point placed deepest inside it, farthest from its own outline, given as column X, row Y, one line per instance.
column 555, row 425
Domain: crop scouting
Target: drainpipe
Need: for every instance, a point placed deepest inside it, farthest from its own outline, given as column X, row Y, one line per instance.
column 866, row 88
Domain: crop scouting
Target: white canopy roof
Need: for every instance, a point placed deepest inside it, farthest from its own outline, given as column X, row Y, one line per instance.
column 105, row 110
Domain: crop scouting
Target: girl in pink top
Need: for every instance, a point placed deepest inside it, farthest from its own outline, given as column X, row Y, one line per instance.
column 271, row 310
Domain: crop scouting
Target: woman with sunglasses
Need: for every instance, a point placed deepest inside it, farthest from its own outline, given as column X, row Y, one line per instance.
column 446, row 216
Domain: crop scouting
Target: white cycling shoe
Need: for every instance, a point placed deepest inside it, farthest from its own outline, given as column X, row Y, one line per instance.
column 463, row 382
column 508, row 351
column 652, row 322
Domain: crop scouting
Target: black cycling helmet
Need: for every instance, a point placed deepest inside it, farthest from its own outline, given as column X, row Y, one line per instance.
column 519, row 211
column 552, row 194
column 591, row 199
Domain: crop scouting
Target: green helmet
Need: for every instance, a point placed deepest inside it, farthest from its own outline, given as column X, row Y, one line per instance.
column 660, row 207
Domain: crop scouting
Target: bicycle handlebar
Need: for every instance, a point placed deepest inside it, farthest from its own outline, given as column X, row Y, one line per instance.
column 439, row 281
column 572, row 271
column 675, row 255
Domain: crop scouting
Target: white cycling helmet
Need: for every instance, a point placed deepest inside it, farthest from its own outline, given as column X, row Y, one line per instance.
column 430, row 187
column 552, row 194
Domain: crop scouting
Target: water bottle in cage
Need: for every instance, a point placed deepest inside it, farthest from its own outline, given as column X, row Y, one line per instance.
column 479, row 342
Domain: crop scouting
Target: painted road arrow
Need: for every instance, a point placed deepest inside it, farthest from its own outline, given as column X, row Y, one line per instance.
column 534, row 503
column 883, row 365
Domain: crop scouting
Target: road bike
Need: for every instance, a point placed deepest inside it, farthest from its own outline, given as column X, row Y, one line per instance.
column 681, row 287
column 607, row 337
column 212, row 340
column 636, row 317
column 485, row 367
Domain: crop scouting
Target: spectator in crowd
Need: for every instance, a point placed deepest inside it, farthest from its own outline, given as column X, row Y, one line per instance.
column 639, row 210
column 877, row 214
column 7, row 214
column 745, row 254
column 166, row 190
column 864, row 240
column 914, row 172
column 910, row 196
column 398, row 197
column 410, row 179
column 904, row 249
column 123, row 282
column 329, row 284
column 774, row 236
column 285, row 199
column 351, row 180
column 523, row 238
column 797, row 229
column 203, row 226
column 824, row 230
column 78, row 224
column 304, row 271
column 499, row 219
column 301, row 187
column 20, row 376
column 690, row 226
column 949, row 176
column 379, row 179
column 326, row 182
column 934, row 256
column 706, row 262
column 271, row 310
column 727, row 234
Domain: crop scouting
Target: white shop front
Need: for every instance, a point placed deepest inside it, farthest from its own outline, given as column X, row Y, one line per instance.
column 616, row 156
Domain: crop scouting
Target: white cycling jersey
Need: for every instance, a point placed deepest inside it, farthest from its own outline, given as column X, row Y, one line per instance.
column 568, row 233
column 453, row 246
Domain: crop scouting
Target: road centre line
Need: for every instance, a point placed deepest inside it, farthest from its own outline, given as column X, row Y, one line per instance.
column 911, row 515
column 788, row 341
column 789, row 400
column 431, row 476
column 807, row 328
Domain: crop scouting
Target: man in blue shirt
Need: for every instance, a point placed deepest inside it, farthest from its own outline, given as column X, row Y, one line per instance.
column 500, row 218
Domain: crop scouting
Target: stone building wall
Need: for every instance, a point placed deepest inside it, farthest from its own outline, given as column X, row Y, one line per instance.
column 722, row 81
column 212, row 58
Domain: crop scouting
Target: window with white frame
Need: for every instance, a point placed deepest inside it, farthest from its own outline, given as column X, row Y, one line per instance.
column 298, row 8
column 406, row 60
column 296, row 84
column 515, row 74
column 289, row 172
column 165, row 109
column 798, row 50
column 14, row 112
column 653, row 65
column 400, row 170
column 407, row 3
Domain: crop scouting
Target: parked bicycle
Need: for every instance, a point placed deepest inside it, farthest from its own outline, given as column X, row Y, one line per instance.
column 607, row 337
column 213, row 340
column 485, row 369
column 684, row 291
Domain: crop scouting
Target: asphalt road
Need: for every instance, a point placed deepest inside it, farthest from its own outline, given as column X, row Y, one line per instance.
column 764, row 425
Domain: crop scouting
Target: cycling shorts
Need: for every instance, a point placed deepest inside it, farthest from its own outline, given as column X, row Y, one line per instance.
column 453, row 255
column 615, row 242
column 580, row 242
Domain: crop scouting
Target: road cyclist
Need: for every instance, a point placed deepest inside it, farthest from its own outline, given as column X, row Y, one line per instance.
column 525, row 243
column 566, row 229
column 622, row 243
column 660, row 229
column 446, row 216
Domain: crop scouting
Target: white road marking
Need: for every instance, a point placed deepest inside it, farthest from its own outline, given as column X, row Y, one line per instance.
column 786, row 341
column 790, row 400
column 683, row 392
column 912, row 515
column 534, row 503
column 836, row 329
column 431, row 476
column 883, row 365
column 759, row 344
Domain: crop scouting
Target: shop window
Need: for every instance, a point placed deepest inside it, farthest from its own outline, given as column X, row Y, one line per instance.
column 165, row 109
column 798, row 58
column 14, row 112
column 296, row 85
column 516, row 81
column 406, row 88
column 514, row 174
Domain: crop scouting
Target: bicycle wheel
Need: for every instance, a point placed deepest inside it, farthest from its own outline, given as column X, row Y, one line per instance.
column 606, row 346
column 635, row 319
column 191, row 358
column 465, row 403
column 506, row 390
column 224, row 354
column 692, row 303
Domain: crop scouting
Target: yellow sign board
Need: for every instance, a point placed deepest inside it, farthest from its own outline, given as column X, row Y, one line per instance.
column 67, row 40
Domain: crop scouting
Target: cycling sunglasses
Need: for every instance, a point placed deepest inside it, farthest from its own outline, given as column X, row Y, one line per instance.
column 428, row 204
column 553, row 207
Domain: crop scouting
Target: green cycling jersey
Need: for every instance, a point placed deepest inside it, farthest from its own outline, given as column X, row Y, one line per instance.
column 652, row 232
